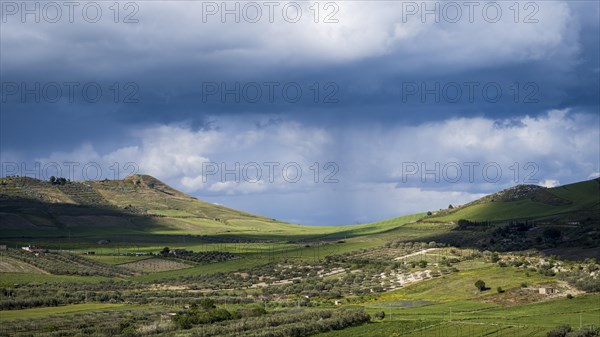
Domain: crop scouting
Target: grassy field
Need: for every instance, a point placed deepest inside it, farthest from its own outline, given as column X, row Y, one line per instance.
column 10, row 265
column 460, row 286
column 116, row 259
column 467, row 318
column 62, row 310
column 10, row 279
column 155, row 265
column 579, row 196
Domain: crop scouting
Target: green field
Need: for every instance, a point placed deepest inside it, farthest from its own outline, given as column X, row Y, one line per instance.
column 62, row 310
column 583, row 196
column 10, row 279
column 418, row 270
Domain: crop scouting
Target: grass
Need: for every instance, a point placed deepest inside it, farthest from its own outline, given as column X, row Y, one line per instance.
column 10, row 265
column 227, row 266
column 61, row 310
column 116, row 259
column 10, row 279
column 155, row 265
column 469, row 318
column 583, row 196
column 169, row 212
column 460, row 286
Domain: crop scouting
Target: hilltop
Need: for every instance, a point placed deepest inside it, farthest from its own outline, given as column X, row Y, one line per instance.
column 142, row 206
column 572, row 202
column 561, row 220
column 138, row 202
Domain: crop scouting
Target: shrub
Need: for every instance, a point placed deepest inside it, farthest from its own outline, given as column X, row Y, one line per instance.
column 480, row 285
column 379, row 315
column 559, row 331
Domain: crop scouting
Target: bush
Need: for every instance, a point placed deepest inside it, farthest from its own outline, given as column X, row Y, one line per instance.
column 379, row 315
column 207, row 303
column 559, row 331
column 551, row 233
column 480, row 285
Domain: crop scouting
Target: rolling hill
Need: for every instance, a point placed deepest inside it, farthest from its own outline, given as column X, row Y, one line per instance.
column 562, row 221
column 141, row 205
column 141, row 208
column 571, row 202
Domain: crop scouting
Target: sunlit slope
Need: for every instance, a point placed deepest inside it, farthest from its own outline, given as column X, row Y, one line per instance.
column 154, row 197
column 141, row 204
column 570, row 201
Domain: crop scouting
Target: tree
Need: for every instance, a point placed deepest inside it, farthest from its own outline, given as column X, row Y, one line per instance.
column 380, row 315
column 429, row 213
column 480, row 285
column 52, row 180
column 551, row 233
column 207, row 303
column 500, row 290
column 450, row 206
column 165, row 251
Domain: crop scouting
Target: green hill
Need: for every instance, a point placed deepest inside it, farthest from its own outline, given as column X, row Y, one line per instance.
column 141, row 208
column 141, row 205
column 571, row 202
column 559, row 221
column 136, row 201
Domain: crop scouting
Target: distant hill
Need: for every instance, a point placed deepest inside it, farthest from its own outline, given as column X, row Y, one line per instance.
column 136, row 201
column 574, row 201
column 562, row 221
column 142, row 206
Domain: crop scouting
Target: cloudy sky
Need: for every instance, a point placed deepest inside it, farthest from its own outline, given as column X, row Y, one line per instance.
column 320, row 113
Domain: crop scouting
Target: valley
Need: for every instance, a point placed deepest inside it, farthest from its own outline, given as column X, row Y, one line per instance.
column 136, row 257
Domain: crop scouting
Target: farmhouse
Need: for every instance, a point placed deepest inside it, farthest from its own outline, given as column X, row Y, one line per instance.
column 547, row 291
column 177, row 252
column 32, row 249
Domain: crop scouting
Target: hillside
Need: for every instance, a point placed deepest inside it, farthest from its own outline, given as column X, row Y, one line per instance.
column 573, row 202
column 143, row 209
column 560, row 221
column 139, row 202
column 142, row 206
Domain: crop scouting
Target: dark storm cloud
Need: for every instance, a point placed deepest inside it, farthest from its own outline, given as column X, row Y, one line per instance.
column 371, row 69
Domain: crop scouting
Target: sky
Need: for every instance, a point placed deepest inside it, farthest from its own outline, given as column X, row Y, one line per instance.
column 318, row 113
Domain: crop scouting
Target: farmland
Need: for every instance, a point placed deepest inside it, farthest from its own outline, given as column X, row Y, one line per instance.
column 129, row 261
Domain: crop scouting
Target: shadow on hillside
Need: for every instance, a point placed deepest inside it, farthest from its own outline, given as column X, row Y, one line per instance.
column 572, row 240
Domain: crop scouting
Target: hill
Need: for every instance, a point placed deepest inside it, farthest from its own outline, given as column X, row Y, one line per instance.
column 572, row 202
column 139, row 204
column 560, row 221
